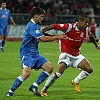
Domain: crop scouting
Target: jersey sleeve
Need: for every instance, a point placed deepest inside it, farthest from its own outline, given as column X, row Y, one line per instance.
column 61, row 27
column 9, row 14
column 35, row 31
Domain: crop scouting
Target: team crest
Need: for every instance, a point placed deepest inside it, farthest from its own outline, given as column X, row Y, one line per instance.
column 37, row 31
column 6, row 12
column 82, row 34
column 61, row 25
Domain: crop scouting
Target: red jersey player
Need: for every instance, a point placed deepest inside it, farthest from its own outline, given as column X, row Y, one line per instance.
column 70, row 51
column 93, row 26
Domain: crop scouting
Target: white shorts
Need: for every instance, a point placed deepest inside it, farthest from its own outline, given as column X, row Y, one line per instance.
column 70, row 60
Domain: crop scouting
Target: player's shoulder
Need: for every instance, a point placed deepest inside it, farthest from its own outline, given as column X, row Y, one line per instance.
column 32, row 24
column 7, row 10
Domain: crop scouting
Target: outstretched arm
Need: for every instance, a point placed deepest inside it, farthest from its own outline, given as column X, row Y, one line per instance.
column 51, row 38
column 46, row 34
column 92, row 38
column 48, row 28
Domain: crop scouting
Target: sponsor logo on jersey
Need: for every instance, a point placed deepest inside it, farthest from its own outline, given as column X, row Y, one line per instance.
column 4, row 16
column 37, row 31
column 82, row 34
column 61, row 25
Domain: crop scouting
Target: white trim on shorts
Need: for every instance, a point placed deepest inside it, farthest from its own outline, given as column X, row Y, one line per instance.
column 70, row 60
column 24, row 66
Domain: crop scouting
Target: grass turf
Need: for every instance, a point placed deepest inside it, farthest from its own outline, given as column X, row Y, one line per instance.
column 10, row 68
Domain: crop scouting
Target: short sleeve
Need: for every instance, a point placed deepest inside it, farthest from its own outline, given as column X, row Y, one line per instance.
column 35, row 31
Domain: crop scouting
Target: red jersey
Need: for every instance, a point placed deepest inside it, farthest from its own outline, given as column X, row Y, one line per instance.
column 74, row 39
column 93, row 27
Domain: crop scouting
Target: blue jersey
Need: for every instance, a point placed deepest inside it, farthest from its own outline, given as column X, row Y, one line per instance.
column 30, row 39
column 4, row 17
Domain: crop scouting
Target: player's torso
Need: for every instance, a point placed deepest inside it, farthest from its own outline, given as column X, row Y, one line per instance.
column 73, row 41
column 4, row 13
column 30, row 43
column 76, row 35
column 93, row 26
column 4, row 17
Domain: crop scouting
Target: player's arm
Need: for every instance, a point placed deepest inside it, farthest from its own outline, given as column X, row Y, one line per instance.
column 12, row 21
column 47, row 34
column 48, row 28
column 51, row 38
column 92, row 38
column 61, row 27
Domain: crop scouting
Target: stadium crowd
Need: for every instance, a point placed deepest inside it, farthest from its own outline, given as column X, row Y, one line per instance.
column 53, row 7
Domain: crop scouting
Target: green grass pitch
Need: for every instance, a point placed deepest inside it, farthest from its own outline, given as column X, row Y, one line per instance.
column 10, row 68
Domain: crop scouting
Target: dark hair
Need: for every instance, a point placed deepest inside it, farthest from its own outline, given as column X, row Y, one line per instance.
column 3, row 2
column 82, row 17
column 37, row 10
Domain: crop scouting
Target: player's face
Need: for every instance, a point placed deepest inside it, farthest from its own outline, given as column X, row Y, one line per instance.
column 3, row 5
column 39, row 18
column 84, row 24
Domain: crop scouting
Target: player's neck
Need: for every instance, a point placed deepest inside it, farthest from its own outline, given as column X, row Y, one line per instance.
column 78, row 27
column 3, row 8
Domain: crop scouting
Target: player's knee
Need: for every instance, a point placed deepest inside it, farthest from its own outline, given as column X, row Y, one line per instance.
column 50, row 69
column 90, row 70
column 47, row 67
column 25, row 75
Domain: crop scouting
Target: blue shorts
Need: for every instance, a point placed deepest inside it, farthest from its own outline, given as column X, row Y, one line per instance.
column 3, row 31
column 33, row 62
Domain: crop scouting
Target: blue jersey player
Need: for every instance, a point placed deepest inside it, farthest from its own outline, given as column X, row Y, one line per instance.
column 5, row 16
column 30, row 56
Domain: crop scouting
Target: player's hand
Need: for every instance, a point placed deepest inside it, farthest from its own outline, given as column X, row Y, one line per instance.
column 61, row 36
column 98, row 47
column 14, row 24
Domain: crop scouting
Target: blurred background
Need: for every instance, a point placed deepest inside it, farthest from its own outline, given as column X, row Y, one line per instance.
column 57, row 11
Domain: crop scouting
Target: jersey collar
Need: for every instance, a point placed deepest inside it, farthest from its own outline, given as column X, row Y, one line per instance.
column 3, row 9
column 75, row 26
column 33, row 21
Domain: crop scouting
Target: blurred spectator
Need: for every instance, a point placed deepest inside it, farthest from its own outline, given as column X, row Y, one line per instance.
column 48, row 14
column 93, row 25
column 66, row 7
column 41, row 4
column 18, row 11
column 10, row 4
column 91, row 11
column 31, row 5
column 13, row 10
column 85, row 9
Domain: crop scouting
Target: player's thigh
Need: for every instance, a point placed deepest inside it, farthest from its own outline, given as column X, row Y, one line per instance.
column 26, row 72
column 85, row 65
column 47, row 66
column 1, row 33
column 28, row 61
column 5, row 32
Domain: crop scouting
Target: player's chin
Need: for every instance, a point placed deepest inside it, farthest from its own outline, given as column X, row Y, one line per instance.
column 39, row 23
